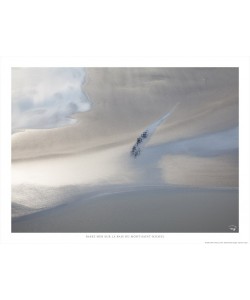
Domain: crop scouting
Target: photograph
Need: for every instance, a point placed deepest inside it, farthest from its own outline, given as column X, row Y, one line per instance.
column 125, row 149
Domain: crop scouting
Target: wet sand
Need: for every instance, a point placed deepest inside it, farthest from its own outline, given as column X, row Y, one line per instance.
column 151, row 210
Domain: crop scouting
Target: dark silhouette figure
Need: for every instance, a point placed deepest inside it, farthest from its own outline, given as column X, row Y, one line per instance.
column 144, row 134
column 133, row 150
column 137, row 152
column 139, row 140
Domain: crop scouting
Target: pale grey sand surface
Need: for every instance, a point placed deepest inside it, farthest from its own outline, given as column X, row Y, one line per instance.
column 197, row 146
column 126, row 100
column 142, row 210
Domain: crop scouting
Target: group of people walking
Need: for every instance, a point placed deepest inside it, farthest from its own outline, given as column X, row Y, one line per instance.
column 136, row 148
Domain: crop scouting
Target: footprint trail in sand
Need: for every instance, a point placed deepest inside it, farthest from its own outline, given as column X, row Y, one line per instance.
column 146, row 135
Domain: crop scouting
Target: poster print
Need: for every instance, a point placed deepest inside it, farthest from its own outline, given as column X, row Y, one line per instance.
column 136, row 150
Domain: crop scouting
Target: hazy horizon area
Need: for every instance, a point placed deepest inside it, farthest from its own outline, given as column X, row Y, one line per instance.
column 74, row 129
